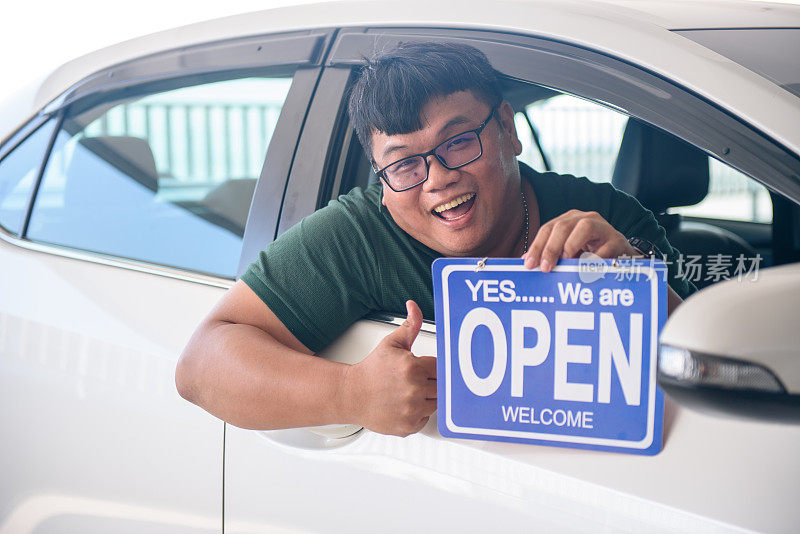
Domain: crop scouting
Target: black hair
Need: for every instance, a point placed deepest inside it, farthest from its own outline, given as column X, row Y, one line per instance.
column 394, row 86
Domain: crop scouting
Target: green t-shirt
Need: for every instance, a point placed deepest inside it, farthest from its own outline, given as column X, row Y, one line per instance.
column 350, row 258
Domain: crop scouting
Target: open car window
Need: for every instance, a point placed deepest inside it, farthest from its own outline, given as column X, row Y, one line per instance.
column 575, row 136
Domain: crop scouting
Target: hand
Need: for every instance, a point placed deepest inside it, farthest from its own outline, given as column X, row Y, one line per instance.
column 395, row 391
column 572, row 233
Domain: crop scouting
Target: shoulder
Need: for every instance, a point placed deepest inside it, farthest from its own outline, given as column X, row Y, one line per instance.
column 318, row 277
column 358, row 203
column 360, row 199
column 349, row 217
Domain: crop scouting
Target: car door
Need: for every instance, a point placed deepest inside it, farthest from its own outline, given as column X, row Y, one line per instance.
column 124, row 205
column 345, row 479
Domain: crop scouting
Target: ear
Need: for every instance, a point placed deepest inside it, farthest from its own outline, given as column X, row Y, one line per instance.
column 505, row 115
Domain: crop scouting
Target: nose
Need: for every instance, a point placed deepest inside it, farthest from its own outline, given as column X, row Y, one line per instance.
column 439, row 176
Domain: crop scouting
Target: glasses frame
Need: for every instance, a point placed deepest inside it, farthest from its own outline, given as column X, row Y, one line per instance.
column 432, row 152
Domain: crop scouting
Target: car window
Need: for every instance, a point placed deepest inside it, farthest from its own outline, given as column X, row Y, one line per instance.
column 166, row 178
column 577, row 136
column 18, row 172
column 583, row 138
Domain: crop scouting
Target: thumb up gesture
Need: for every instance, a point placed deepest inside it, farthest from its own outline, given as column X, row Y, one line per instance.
column 393, row 391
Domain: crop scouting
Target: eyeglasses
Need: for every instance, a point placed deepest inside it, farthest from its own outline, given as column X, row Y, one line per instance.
column 452, row 153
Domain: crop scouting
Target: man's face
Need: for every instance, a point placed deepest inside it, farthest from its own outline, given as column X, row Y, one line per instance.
column 481, row 224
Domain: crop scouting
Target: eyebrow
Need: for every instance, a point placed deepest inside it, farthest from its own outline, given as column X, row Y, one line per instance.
column 455, row 121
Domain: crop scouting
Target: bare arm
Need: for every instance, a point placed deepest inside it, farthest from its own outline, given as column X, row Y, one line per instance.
column 245, row 367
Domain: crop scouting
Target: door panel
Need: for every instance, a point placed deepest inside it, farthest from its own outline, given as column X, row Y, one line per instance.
column 369, row 482
column 96, row 434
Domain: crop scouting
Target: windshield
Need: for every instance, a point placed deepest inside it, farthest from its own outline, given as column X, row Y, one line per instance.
column 767, row 51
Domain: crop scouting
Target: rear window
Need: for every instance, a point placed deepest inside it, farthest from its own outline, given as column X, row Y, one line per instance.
column 165, row 178
column 770, row 52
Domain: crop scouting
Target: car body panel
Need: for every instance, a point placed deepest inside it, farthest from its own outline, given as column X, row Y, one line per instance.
column 87, row 370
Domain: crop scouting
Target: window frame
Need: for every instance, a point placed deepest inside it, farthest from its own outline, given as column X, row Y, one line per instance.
column 221, row 60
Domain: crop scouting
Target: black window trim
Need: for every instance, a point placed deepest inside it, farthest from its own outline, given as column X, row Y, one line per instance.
column 19, row 137
column 268, row 197
column 318, row 151
column 37, row 184
column 22, row 133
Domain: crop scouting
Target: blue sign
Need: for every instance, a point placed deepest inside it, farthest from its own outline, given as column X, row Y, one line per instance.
column 565, row 358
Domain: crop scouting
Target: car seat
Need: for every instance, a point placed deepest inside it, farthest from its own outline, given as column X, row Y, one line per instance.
column 231, row 201
column 663, row 172
column 109, row 184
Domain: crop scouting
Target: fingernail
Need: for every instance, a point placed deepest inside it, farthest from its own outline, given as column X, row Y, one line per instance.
column 545, row 265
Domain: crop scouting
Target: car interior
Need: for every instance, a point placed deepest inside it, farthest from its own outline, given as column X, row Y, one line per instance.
column 663, row 172
column 225, row 205
column 105, row 193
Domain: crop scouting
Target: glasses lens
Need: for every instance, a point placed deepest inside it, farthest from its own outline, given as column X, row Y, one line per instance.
column 406, row 173
column 460, row 150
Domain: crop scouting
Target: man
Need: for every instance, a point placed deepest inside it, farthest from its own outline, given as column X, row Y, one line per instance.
column 443, row 142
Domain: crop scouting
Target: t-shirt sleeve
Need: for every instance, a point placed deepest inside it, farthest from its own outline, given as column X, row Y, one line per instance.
column 631, row 219
column 318, row 277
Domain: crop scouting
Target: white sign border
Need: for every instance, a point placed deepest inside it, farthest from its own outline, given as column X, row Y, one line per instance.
column 637, row 269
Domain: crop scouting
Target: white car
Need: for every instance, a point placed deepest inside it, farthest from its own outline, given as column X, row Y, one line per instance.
column 138, row 181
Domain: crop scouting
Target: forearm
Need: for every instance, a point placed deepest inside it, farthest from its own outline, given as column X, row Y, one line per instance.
column 244, row 376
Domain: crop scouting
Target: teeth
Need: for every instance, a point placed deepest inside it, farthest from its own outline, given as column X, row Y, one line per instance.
column 453, row 203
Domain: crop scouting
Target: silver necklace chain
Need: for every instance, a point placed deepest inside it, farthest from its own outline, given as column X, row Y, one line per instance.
column 525, row 224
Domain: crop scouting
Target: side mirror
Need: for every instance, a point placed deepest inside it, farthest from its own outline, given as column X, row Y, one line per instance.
column 734, row 348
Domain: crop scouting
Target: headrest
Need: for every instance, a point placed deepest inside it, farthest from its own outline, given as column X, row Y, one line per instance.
column 660, row 170
column 131, row 155
column 111, row 171
column 231, row 199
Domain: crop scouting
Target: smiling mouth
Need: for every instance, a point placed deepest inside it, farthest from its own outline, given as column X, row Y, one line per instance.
column 456, row 208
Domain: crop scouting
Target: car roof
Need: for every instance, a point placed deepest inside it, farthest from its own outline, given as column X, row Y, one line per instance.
column 634, row 30
column 528, row 16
